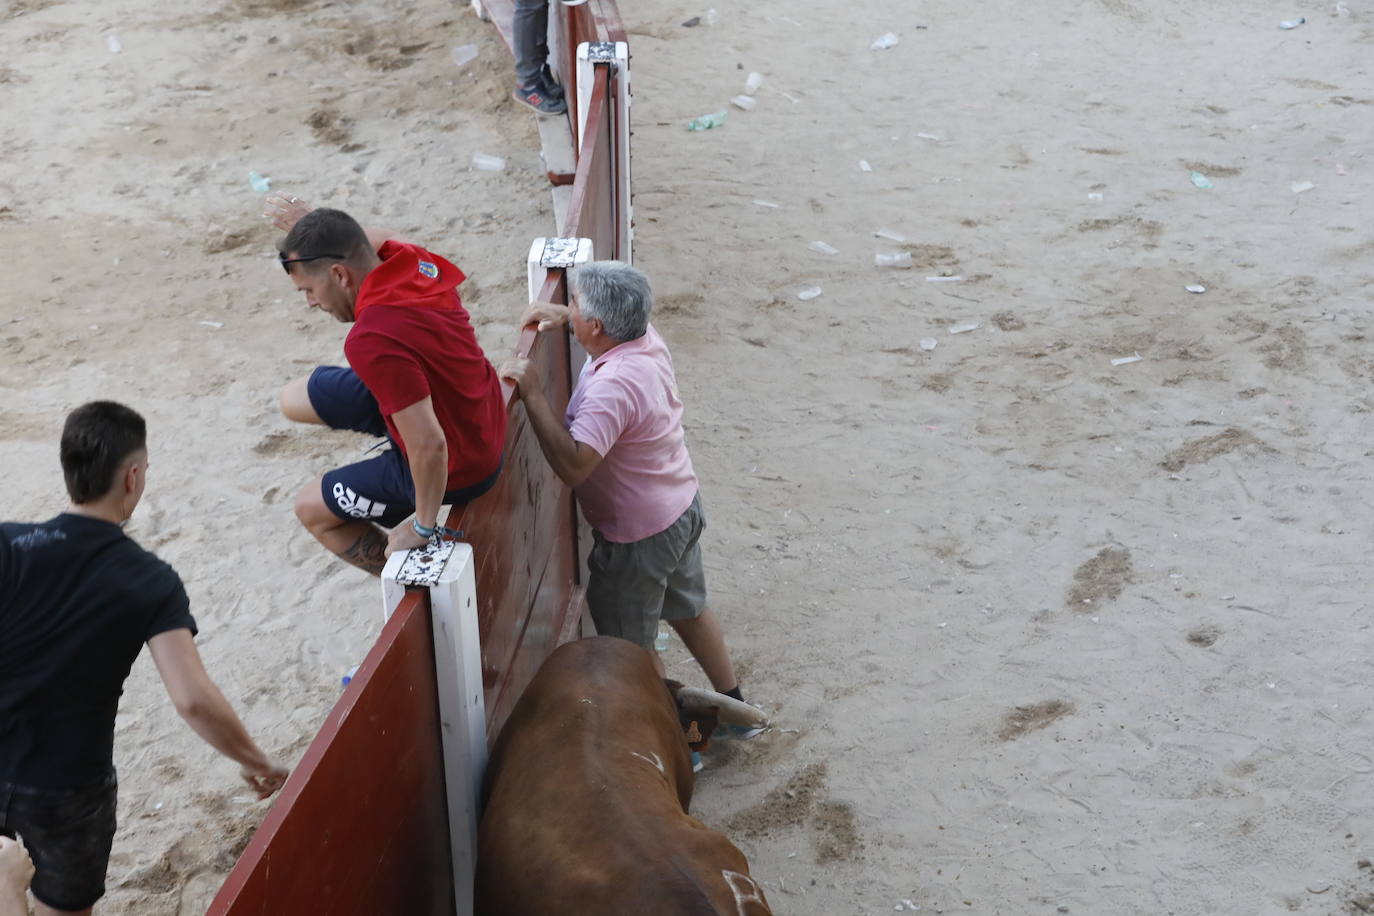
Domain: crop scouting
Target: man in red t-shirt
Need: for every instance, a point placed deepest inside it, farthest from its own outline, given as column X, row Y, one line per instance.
column 416, row 375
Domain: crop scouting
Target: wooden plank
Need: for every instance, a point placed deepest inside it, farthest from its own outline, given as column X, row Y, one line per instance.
column 556, row 149
column 562, row 197
column 592, row 211
column 360, row 826
column 522, row 536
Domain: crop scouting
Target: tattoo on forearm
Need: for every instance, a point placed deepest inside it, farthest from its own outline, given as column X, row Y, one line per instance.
column 368, row 552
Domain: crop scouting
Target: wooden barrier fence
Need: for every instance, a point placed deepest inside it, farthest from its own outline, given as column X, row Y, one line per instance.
column 369, row 821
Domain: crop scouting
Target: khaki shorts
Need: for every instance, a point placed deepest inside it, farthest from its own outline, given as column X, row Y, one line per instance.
column 632, row 586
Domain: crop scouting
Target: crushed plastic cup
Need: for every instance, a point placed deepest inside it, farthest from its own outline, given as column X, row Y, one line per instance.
column 712, row 17
column 822, row 248
column 1095, row 195
column 112, row 42
column 744, row 102
column 929, row 343
column 864, row 166
column 1200, row 180
column 884, row 41
column 963, row 328
column 1298, row 187
column 897, row 259
column 708, row 121
column 752, row 83
column 1292, row 23
column 811, row 292
column 484, row 163
column 765, row 203
column 1124, row 360
column 1195, row 288
column 890, row 235
column 259, row 183
column 464, row 54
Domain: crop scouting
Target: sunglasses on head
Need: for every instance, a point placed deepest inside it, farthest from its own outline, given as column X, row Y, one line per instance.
column 287, row 262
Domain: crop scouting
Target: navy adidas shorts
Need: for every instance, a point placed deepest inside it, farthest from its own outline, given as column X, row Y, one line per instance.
column 378, row 489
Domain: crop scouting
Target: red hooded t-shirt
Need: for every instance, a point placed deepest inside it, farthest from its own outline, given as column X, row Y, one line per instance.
column 411, row 339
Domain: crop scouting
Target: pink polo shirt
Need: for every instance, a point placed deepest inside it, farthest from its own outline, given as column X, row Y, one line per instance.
column 626, row 407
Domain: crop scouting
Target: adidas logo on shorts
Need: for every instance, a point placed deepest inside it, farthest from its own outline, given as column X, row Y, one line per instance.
column 357, row 506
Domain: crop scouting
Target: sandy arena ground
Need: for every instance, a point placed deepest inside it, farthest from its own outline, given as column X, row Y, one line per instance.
column 1042, row 633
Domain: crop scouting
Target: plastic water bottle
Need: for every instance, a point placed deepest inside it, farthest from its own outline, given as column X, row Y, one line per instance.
column 485, row 163
column 661, row 640
column 349, row 676
column 752, row 83
column 708, row 121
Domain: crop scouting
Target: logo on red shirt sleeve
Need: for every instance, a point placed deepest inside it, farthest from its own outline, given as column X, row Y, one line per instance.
column 429, row 270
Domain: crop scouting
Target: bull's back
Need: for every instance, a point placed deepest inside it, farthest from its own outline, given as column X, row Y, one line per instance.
column 585, row 799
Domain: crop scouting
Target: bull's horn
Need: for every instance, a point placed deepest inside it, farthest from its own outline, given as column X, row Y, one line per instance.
column 732, row 711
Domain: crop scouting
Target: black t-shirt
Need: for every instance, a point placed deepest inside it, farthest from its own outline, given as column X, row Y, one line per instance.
column 78, row 599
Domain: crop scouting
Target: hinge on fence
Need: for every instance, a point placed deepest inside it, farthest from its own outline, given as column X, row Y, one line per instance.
column 559, row 253
column 424, row 565
column 601, row 52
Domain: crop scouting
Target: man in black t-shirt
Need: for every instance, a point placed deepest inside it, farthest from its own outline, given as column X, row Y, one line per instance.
column 78, row 599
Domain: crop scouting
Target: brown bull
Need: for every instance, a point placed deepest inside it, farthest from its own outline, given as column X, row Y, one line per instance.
column 587, row 792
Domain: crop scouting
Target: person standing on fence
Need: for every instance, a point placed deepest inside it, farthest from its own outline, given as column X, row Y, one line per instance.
column 78, row 599
column 535, row 86
column 622, row 449
column 415, row 375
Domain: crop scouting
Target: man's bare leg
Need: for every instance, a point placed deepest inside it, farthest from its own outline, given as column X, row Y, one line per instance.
column 704, row 639
column 295, row 402
column 16, row 869
column 361, row 543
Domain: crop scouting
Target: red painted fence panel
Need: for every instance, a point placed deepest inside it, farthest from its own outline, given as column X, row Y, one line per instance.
column 362, row 826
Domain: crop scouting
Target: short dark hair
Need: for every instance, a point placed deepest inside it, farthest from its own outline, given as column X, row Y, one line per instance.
column 324, row 231
column 96, row 439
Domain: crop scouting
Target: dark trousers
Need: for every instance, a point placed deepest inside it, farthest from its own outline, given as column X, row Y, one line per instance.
column 531, row 30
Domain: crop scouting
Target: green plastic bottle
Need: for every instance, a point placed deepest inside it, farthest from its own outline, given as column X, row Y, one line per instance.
column 707, row 121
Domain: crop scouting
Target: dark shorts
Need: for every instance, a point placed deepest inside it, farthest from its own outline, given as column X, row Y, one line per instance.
column 68, row 833
column 632, row 586
column 378, row 489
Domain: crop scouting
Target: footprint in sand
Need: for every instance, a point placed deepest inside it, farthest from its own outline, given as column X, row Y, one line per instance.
column 802, row 801
column 1025, row 719
column 1101, row 579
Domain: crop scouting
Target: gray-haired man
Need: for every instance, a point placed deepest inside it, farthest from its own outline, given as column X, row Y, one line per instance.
column 621, row 447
